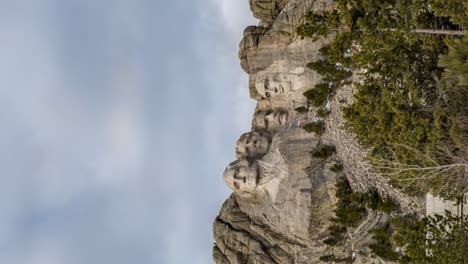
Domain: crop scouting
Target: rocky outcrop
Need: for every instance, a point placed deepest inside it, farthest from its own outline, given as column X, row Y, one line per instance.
column 283, row 198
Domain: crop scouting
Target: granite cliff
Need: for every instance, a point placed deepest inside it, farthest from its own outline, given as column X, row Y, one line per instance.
column 283, row 197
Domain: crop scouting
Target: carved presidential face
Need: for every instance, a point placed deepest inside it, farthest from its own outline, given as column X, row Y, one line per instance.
column 273, row 85
column 242, row 176
column 269, row 119
column 252, row 145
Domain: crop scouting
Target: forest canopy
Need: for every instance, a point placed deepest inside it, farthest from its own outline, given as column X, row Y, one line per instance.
column 411, row 60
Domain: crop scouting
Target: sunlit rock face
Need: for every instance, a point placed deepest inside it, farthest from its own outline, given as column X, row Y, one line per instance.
column 278, row 187
column 282, row 198
column 266, row 10
column 242, row 177
column 252, row 145
column 270, row 120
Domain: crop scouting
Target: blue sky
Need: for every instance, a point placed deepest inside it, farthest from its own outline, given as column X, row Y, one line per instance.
column 117, row 120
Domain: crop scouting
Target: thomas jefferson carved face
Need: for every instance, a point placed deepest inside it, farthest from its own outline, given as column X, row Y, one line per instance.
column 252, row 145
column 269, row 119
column 273, row 85
column 242, row 176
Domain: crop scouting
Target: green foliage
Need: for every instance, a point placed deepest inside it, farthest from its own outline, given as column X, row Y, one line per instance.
column 322, row 112
column 340, row 50
column 333, row 258
column 456, row 61
column 318, row 25
column 457, row 10
column 301, row 109
column 454, row 111
column 329, row 72
column 337, row 235
column 351, row 207
column 317, row 127
column 332, row 77
column 318, row 96
column 349, row 211
column 336, row 167
column 401, row 98
column 374, row 201
column 378, row 15
column 382, row 245
column 324, row 152
column 433, row 239
column 399, row 77
column 327, row 258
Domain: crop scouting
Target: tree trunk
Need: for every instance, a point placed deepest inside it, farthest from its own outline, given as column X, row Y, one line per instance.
column 432, row 31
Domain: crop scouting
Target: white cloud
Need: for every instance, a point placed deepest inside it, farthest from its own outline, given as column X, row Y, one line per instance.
column 124, row 138
column 235, row 15
column 86, row 173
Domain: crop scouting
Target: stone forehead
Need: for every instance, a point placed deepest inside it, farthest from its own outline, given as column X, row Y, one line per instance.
column 250, row 135
column 238, row 163
column 268, row 112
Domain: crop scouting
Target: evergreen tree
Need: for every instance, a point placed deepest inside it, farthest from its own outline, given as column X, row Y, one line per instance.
column 456, row 61
column 433, row 239
column 457, row 10
column 318, row 25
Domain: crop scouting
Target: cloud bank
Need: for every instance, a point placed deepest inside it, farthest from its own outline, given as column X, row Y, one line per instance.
column 118, row 118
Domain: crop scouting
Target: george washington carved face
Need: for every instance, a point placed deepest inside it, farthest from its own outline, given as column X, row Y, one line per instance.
column 269, row 120
column 252, row 145
column 241, row 176
column 249, row 179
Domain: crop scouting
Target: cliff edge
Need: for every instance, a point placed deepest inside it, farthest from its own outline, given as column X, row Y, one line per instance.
column 284, row 197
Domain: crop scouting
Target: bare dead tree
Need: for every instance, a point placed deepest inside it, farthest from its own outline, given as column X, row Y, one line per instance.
column 442, row 170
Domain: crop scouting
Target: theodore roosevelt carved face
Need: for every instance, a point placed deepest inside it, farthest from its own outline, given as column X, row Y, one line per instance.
column 252, row 145
column 269, row 120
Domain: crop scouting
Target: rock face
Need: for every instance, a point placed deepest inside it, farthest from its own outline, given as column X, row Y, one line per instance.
column 283, row 198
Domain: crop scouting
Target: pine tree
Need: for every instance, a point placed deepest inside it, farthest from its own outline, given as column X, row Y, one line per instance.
column 457, row 10
column 433, row 239
column 456, row 61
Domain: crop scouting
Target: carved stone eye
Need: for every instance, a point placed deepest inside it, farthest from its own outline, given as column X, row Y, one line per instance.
column 267, row 94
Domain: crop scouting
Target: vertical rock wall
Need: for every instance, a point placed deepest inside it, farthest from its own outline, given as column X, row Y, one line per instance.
column 282, row 197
